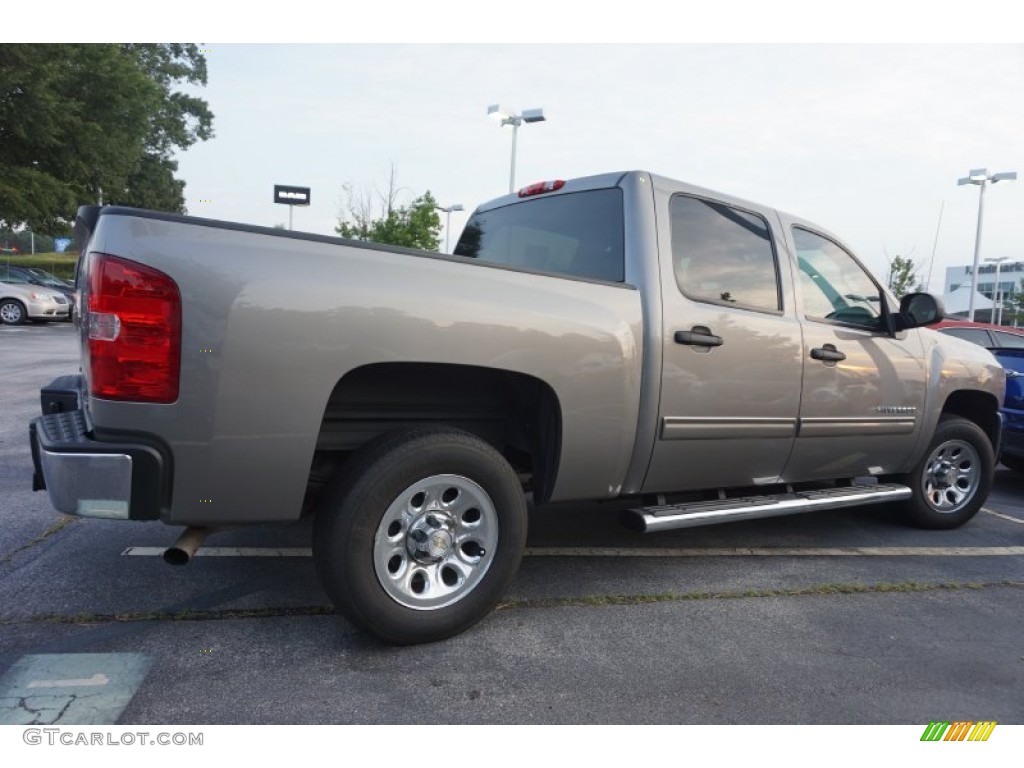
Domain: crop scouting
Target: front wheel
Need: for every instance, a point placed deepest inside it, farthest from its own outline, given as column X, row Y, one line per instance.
column 953, row 478
column 421, row 535
column 12, row 312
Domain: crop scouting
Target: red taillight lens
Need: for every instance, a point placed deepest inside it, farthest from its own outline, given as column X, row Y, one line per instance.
column 541, row 187
column 134, row 330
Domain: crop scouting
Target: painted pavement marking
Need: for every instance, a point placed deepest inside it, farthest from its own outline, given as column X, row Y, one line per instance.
column 225, row 552
column 97, row 679
column 70, row 688
column 774, row 551
column 1011, row 518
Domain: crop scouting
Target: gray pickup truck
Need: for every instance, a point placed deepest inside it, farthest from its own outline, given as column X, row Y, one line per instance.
column 622, row 336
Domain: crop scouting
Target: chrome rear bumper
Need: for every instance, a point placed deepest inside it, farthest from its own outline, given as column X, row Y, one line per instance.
column 95, row 478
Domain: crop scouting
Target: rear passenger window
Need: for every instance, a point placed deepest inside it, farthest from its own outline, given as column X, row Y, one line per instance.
column 723, row 255
column 578, row 234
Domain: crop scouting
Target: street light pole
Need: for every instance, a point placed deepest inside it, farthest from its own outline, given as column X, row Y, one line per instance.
column 448, row 223
column 516, row 122
column 509, row 117
column 997, row 304
column 980, row 177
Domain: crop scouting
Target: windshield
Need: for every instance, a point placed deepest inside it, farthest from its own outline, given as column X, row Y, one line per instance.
column 12, row 275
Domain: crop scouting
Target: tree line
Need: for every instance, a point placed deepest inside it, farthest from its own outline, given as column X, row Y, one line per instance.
column 101, row 123
column 95, row 122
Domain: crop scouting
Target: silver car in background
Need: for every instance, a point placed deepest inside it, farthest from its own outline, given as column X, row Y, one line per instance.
column 20, row 302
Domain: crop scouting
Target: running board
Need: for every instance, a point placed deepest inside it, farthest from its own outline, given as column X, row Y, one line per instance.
column 695, row 514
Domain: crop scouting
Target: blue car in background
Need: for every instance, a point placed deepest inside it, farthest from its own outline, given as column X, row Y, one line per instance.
column 1012, row 454
column 1007, row 344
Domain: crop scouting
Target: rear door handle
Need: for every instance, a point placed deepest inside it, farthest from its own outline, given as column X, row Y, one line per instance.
column 698, row 336
column 828, row 353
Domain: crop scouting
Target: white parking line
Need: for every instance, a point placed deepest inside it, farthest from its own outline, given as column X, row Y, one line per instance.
column 645, row 552
column 225, row 552
column 774, row 551
column 84, row 682
column 1011, row 518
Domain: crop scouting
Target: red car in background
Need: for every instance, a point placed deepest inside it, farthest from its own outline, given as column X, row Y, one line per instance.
column 983, row 334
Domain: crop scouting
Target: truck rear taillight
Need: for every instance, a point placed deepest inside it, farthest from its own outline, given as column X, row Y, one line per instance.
column 134, row 331
column 541, row 187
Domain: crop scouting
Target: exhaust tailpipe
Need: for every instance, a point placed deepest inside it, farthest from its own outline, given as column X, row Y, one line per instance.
column 184, row 549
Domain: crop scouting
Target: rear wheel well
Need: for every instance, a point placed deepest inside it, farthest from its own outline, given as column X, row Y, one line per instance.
column 518, row 415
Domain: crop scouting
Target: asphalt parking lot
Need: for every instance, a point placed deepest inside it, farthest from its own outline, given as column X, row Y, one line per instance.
column 832, row 618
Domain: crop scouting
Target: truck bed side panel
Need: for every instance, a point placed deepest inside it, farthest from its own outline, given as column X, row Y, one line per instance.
column 272, row 323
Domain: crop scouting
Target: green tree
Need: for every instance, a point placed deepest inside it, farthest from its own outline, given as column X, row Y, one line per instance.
column 80, row 122
column 73, row 120
column 384, row 220
column 179, row 121
column 152, row 185
column 902, row 275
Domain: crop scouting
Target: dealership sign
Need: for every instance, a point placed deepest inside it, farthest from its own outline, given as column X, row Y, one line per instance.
column 291, row 195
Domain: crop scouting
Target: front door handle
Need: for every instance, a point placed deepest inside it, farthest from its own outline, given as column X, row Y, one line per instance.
column 828, row 353
column 698, row 336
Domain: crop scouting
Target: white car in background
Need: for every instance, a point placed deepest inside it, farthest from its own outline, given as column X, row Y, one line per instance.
column 20, row 302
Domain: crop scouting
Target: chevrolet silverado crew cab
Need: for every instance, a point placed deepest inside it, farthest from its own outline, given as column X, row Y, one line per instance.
column 622, row 336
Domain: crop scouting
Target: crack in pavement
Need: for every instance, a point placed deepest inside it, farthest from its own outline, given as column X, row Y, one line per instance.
column 44, row 715
column 820, row 590
column 119, row 630
column 53, row 529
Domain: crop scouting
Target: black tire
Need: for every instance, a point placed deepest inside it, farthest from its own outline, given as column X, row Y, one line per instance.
column 13, row 312
column 1016, row 463
column 420, row 535
column 953, row 478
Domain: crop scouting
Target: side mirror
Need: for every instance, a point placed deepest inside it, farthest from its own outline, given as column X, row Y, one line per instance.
column 918, row 309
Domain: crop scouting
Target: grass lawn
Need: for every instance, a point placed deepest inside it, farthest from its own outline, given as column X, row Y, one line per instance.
column 60, row 264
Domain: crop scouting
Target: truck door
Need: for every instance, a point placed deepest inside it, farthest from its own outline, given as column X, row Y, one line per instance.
column 732, row 355
column 863, row 387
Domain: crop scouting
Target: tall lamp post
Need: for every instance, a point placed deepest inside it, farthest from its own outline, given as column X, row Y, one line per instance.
column 996, row 302
column 509, row 117
column 448, row 222
column 980, row 177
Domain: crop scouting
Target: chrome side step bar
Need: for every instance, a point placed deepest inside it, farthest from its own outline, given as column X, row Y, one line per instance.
column 695, row 514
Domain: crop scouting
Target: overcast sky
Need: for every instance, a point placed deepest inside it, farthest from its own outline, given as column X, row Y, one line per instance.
column 865, row 140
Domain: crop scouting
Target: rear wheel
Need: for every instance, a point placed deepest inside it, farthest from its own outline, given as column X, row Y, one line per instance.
column 421, row 535
column 953, row 478
column 12, row 312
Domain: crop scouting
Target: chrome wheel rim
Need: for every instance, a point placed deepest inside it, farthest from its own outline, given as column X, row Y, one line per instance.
column 952, row 476
column 10, row 313
column 435, row 542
